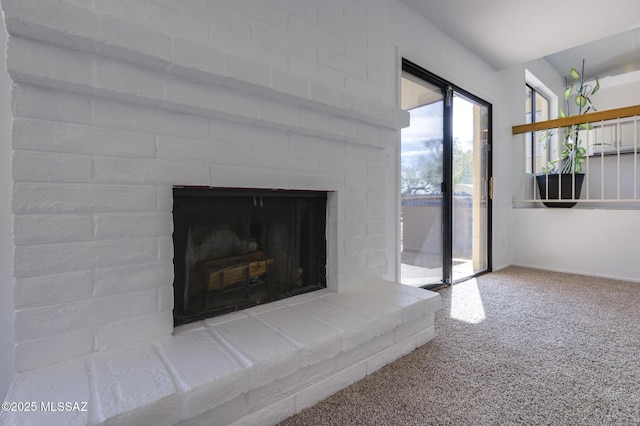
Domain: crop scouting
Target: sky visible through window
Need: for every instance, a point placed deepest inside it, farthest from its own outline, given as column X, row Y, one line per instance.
column 426, row 125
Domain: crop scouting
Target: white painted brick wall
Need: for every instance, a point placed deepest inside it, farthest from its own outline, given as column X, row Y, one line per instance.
column 140, row 328
column 44, row 321
column 53, row 228
column 42, row 259
column 60, row 348
column 116, row 102
column 133, row 42
column 49, row 104
column 48, row 167
column 166, row 20
column 140, row 118
column 64, row 137
column 59, row 287
column 121, row 279
column 38, row 198
column 109, row 206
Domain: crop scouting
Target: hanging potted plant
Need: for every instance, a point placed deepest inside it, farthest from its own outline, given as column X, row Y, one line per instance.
column 562, row 178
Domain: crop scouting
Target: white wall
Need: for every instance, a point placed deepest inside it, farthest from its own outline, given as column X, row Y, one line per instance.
column 596, row 242
column 618, row 92
column 7, row 346
column 422, row 43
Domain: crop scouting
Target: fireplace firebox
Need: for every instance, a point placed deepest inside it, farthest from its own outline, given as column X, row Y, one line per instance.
column 237, row 248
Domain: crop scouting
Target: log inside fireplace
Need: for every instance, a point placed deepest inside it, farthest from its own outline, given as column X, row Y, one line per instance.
column 236, row 248
column 232, row 270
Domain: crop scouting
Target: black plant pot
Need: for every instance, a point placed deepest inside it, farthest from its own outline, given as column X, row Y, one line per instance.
column 561, row 190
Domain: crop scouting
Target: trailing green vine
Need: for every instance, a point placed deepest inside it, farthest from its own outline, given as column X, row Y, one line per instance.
column 573, row 154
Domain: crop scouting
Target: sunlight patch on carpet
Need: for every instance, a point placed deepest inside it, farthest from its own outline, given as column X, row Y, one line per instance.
column 466, row 303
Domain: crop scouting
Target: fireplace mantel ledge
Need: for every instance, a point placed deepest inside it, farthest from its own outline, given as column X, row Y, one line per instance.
column 256, row 366
column 150, row 68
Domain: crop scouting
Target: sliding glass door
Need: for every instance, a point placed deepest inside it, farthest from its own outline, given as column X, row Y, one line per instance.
column 471, row 187
column 421, row 177
column 445, row 181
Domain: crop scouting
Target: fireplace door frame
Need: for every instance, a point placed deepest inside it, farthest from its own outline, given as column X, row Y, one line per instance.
column 253, row 206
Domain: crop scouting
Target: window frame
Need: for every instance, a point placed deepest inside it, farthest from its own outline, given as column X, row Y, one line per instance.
column 532, row 81
column 534, row 136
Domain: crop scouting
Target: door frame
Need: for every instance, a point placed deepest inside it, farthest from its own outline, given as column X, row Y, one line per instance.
column 447, row 168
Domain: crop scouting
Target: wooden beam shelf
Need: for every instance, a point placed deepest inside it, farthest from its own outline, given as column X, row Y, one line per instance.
column 577, row 119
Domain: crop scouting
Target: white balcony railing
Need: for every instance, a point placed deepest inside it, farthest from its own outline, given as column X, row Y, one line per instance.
column 607, row 151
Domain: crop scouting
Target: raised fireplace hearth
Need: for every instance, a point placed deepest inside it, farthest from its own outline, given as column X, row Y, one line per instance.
column 237, row 248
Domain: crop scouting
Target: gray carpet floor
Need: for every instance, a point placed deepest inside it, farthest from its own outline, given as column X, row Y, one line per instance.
column 515, row 347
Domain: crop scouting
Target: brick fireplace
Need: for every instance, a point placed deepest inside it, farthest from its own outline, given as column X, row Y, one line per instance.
column 110, row 114
column 238, row 248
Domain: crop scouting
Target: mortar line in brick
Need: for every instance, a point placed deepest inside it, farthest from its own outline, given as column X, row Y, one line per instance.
column 173, row 373
column 239, row 357
column 95, row 412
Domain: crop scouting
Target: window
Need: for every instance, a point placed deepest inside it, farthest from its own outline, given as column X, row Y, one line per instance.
column 536, row 109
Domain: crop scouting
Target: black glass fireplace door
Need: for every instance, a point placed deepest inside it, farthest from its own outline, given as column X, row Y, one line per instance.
column 234, row 249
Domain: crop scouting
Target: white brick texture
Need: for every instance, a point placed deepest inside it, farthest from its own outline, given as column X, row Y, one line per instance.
column 114, row 103
column 243, row 367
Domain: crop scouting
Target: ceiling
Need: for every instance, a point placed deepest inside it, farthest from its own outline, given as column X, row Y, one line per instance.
column 510, row 32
